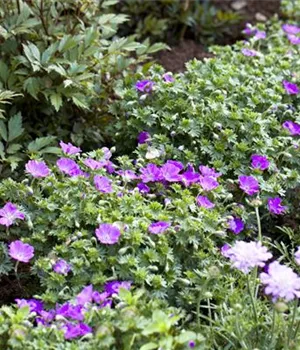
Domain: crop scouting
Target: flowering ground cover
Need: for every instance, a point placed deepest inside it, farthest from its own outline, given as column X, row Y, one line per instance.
column 185, row 234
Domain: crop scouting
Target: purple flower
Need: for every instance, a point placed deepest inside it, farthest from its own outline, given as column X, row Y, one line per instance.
column 208, row 183
column 290, row 88
column 236, row 225
column 21, row 251
column 143, row 137
column 85, row 296
column 68, row 148
column 9, row 213
column 249, row 30
column 259, row 162
column 247, row 255
column 204, row 202
column 144, row 85
column 69, row 167
column 128, row 175
column 99, row 297
column 143, row 188
column 108, row 234
column 168, row 78
column 292, row 127
column 192, row 344
column 103, row 184
column 151, row 173
column 248, row 52
column 76, row 330
column 67, row 310
column 206, row 171
column 190, row 176
column 170, row 171
column 37, row 169
column 291, row 29
column 61, row 267
column 281, row 282
column 114, row 286
column 225, row 250
column 293, row 39
column 259, row 34
column 33, row 304
column 297, row 256
column 158, row 227
column 248, row 184
column 94, row 164
column 275, row 207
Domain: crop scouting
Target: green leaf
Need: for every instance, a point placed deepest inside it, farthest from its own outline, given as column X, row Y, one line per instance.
column 14, row 148
column 79, row 101
column 56, row 101
column 3, row 130
column 4, row 71
column 31, row 85
column 40, row 143
column 15, row 127
column 2, row 154
column 149, row 346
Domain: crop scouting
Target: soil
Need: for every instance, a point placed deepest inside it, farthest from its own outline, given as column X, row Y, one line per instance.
column 254, row 11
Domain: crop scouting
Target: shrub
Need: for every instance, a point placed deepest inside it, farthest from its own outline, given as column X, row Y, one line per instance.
column 64, row 58
column 173, row 20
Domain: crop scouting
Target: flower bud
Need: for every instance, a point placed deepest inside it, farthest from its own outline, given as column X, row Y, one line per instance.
column 213, row 271
column 281, row 307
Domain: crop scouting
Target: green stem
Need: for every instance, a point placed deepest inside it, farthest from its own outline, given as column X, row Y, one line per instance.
column 198, row 310
column 292, row 322
column 258, row 224
column 253, row 306
column 210, row 315
column 273, row 326
column 16, row 273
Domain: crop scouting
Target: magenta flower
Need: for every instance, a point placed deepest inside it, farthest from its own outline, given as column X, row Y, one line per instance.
column 99, row 298
column 249, row 52
column 85, row 296
column 103, row 184
column 128, row 175
column 94, row 164
column 143, row 188
column 259, row 34
column 9, row 213
column 158, row 227
column 292, row 127
column 290, row 88
column 37, row 169
column 236, row 225
column 108, row 234
column 69, row 167
column 69, row 149
column 144, row 86
column 67, row 310
column 248, row 184
column 291, row 28
column 204, row 202
column 61, row 267
column 206, row 171
column 208, row 183
column 225, row 250
column 281, row 282
column 34, row 305
column 76, row 330
column 247, row 255
column 151, row 173
column 143, row 137
column 170, row 171
column 21, row 251
column 168, row 78
column 259, row 162
column 297, row 256
column 114, row 287
column 275, row 207
column 190, row 177
column 293, row 39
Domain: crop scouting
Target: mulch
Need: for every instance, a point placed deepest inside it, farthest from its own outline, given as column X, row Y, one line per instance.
column 254, row 11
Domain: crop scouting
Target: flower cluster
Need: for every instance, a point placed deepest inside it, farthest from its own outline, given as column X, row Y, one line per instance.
column 70, row 316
